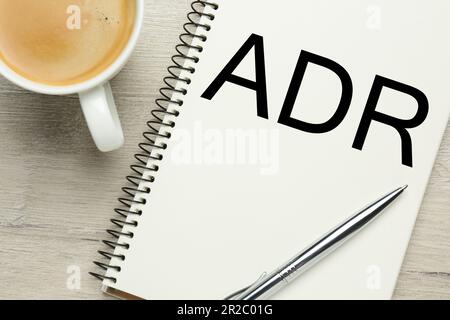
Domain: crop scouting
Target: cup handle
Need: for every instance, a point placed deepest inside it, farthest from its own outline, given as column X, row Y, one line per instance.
column 102, row 118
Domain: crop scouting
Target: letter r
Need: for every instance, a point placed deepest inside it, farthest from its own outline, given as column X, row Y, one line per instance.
column 401, row 125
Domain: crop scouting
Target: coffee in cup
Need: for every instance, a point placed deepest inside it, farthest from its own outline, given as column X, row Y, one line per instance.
column 63, row 42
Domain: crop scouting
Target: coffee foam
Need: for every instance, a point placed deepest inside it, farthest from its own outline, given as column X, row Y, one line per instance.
column 41, row 41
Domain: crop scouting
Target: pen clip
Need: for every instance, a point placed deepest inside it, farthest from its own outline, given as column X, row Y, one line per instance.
column 240, row 292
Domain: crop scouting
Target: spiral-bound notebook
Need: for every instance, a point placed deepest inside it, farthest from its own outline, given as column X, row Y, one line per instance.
column 277, row 122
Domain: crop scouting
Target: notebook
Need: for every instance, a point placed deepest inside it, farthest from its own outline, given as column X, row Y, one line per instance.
column 279, row 121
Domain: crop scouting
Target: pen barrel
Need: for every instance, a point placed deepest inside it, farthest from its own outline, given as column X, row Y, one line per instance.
column 263, row 289
column 309, row 257
column 335, row 238
column 296, row 266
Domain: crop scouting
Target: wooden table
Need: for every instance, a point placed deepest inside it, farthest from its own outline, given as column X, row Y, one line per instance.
column 58, row 192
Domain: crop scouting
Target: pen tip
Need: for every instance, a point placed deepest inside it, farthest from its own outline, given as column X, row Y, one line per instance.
column 404, row 187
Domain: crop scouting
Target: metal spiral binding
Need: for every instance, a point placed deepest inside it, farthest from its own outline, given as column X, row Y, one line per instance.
column 155, row 125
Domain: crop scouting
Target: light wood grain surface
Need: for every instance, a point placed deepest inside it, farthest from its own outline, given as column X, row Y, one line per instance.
column 58, row 192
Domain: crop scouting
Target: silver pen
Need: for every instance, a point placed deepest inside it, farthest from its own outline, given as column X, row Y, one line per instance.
column 268, row 284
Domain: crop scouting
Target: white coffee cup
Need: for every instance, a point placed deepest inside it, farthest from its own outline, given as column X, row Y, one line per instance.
column 95, row 94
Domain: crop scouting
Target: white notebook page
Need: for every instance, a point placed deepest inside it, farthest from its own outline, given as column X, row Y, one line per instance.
column 238, row 194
